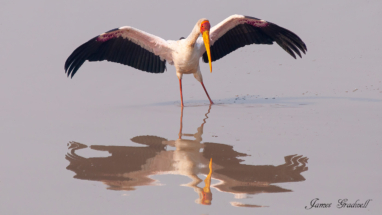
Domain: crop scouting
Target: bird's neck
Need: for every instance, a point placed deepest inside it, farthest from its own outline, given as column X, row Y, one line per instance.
column 191, row 39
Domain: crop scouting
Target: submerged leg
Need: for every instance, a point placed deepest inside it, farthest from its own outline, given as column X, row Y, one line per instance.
column 181, row 94
column 206, row 92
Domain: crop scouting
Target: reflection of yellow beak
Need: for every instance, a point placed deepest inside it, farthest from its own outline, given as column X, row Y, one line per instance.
column 208, row 178
column 206, row 39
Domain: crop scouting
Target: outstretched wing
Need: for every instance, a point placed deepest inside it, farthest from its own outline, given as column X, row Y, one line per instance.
column 237, row 31
column 125, row 45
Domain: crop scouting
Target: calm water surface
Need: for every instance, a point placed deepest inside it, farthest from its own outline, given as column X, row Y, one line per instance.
column 128, row 167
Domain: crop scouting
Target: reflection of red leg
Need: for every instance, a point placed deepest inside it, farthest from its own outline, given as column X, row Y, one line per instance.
column 207, row 93
column 181, row 94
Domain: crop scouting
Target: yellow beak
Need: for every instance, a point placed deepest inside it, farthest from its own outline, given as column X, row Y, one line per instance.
column 206, row 39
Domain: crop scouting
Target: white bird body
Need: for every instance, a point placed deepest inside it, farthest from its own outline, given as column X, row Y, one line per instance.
column 186, row 59
column 147, row 52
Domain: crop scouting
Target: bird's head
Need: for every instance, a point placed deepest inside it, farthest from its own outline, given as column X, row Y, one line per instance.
column 205, row 31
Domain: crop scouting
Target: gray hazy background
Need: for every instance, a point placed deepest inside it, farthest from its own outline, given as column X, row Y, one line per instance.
column 327, row 105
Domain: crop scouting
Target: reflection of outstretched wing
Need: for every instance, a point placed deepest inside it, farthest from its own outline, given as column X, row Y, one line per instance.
column 222, row 154
column 72, row 156
column 294, row 165
column 152, row 141
column 122, row 170
column 250, row 179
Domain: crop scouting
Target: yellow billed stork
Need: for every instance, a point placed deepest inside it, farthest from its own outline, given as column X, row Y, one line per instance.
column 147, row 52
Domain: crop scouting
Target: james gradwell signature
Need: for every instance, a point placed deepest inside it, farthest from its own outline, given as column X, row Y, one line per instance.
column 342, row 203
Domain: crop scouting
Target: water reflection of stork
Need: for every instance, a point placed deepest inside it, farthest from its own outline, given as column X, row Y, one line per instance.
column 129, row 167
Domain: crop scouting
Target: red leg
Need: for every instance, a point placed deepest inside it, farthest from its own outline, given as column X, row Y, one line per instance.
column 181, row 94
column 181, row 124
column 206, row 93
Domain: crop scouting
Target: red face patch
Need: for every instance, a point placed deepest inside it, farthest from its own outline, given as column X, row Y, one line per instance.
column 205, row 26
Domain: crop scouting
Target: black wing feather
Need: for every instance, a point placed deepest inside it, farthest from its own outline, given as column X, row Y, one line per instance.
column 119, row 50
column 246, row 34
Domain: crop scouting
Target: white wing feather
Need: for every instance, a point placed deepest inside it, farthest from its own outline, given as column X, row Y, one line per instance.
column 150, row 42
